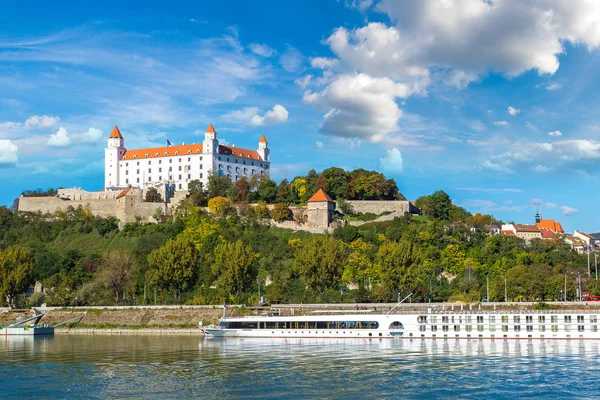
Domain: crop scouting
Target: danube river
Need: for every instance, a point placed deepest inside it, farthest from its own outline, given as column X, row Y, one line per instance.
column 137, row 366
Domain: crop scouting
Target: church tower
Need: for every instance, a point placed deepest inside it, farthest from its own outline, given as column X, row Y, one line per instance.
column 210, row 145
column 263, row 148
column 112, row 154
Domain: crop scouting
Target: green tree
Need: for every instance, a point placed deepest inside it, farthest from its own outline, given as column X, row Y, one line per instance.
column 152, row 196
column 173, row 267
column 235, row 265
column 320, row 261
column 195, row 186
column 282, row 212
column 261, row 210
column 398, row 267
column 267, row 190
column 220, row 206
column 16, row 267
column 337, row 179
column 284, row 192
column 437, row 205
column 218, row 185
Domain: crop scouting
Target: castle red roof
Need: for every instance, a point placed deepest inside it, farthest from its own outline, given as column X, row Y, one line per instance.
column 263, row 139
column 115, row 134
column 211, row 129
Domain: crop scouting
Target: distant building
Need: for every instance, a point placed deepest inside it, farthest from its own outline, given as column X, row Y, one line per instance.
column 525, row 232
column 589, row 240
column 320, row 210
column 176, row 166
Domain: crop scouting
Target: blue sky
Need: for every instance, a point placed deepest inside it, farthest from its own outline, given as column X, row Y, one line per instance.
column 494, row 102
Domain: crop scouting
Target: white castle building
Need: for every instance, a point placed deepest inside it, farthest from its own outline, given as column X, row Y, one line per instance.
column 178, row 165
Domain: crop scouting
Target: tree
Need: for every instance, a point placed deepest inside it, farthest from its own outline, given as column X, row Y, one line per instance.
column 174, row 266
column 159, row 214
column 398, row 267
column 117, row 271
column 321, row 183
column 218, row 185
column 437, row 205
column 152, row 196
column 194, row 186
column 261, row 210
column 235, row 265
column 281, row 212
column 320, row 262
column 337, row 179
column 284, row 192
column 267, row 190
column 241, row 189
column 220, row 206
column 16, row 267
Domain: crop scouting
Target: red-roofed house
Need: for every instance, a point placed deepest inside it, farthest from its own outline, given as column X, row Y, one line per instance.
column 178, row 165
column 588, row 239
column 550, row 224
column 320, row 210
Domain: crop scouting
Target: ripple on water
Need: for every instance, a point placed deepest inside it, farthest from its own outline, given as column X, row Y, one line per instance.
column 171, row 367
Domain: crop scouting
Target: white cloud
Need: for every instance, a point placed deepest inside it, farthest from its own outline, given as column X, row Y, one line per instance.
column 542, row 168
column 566, row 210
column 495, row 167
column 291, row 60
column 250, row 116
column 304, row 81
column 91, row 136
column 359, row 106
column 531, row 126
column 477, row 125
column 392, row 162
column 9, row 153
column 460, row 79
column 41, row 121
column 319, row 145
column 323, row 62
column 262, row 50
column 500, row 123
column 553, row 86
column 59, row 139
column 513, row 111
column 555, row 133
column 550, row 205
column 487, row 206
column 360, row 5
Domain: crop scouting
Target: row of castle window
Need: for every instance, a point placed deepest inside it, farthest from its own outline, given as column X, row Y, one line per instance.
column 190, row 159
column 505, row 328
column 160, row 179
column 189, row 168
column 505, row 318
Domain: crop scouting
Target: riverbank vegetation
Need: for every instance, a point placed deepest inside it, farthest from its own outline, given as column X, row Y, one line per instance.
column 197, row 257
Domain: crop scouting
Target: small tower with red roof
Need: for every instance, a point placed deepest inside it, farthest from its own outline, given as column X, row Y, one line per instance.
column 320, row 210
column 263, row 148
column 112, row 155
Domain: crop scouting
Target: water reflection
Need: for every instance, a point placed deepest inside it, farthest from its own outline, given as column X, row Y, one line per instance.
column 170, row 367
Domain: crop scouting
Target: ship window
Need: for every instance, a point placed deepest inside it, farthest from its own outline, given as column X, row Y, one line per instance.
column 468, row 319
column 433, row 328
column 580, row 318
column 517, row 328
column 505, row 319
column 445, row 328
column 492, row 319
column 505, row 328
column 480, row 319
column 516, row 319
column 593, row 319
column 479, row 328
column 594, row 328
column 542, row 328
column 468, row 328
column 396, row 325
column 567, row 328
column 542, row 319
column 422, row 319
column 554, row 318
column 456, row 328
column 554, row 328
column 445, row 319
column 567, row 319
column 529, row 319
column 580, row 328
column 492, row 328
column 529, row 328
column 422, row 328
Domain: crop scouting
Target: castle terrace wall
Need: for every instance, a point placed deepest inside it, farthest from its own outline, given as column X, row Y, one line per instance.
column 381, row 206
column 100, row 207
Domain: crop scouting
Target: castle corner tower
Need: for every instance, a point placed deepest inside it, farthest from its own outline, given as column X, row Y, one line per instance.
column 263, row 148
column 112, row 154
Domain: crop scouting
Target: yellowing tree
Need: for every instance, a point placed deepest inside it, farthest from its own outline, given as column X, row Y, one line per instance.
column 220, row 206
column 16, row 266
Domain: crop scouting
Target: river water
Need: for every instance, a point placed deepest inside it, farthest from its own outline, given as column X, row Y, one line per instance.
column 137, row 366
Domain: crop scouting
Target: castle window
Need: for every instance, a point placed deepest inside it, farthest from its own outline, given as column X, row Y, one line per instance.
column 227, row 159
column 244, row 162
column 189, row 152
column 149, row 179
column 149, row 162
column 134, row 156
column 180, row 167
column 180, row 158
column 189, row 176
column 170, row 161
column 160, row 170
column 126, row 181
column 149, row 170
column 189, row 159
column 170, row 169
column 166, row 153
column 137, row 171
column 179, row 177
column 157, row 155
column 180, row 186
column 200, row 166
column 245, row 171
column 126, row 164
column 160, row 178
column 200, row 175
column 126, row 172
column 200, row 158
column 146, row 156
column 138, row 180
column 198, row 151
column 159, row 161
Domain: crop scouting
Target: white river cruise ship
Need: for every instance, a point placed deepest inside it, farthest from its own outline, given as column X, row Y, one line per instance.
column 568, row 324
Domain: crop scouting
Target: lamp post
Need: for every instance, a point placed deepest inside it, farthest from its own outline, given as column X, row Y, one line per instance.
column 596, row 261
column 565, row 286
column 579, row 283
column 505, row 291
column 487, row 287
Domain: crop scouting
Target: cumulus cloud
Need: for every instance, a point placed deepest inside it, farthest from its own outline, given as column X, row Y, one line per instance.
column 566, row 210
column 304, row 81
column 495, row 167
column 360, row 5
column 262, row 50
column 323, row 62
column 555, row 133
column 319, row 145
column 359, row 106
column 9, row 153
column 40, row 121
column 59, row 139
column 250, row 116
column 392, row 162
column 500, row 123
column 91, row 136
column 513, row 111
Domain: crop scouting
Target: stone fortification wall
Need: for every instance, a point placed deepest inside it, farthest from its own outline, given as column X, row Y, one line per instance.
column 381, row 206
column 101, row 207
column 79, row 194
